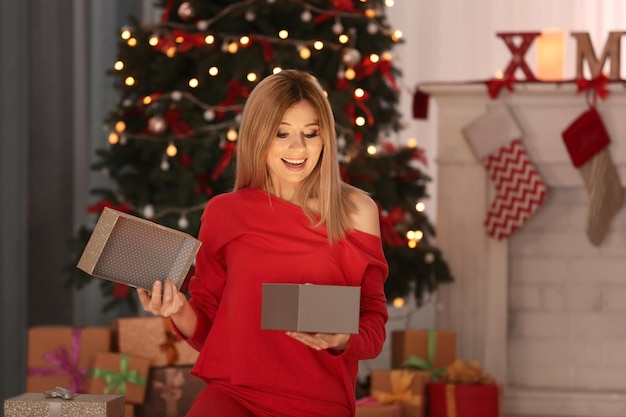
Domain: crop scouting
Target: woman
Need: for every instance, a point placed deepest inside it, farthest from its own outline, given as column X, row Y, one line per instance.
column 290, row 219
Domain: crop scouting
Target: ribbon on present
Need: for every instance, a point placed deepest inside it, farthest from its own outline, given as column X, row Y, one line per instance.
column 55, row 409
column 66, row 363
column 462, row 372
column 171, row 390
column 401, row 381
column 169, row 346
column 429, row 363
column 117, row 380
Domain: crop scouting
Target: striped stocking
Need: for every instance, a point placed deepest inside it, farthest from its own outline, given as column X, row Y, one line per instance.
column 495, row 138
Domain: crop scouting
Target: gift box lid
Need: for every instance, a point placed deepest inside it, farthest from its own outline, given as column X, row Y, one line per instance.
column 81, row 405
column 133, row 251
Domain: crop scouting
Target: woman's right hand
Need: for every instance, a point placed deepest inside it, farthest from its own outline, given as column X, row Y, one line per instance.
column 165, row 299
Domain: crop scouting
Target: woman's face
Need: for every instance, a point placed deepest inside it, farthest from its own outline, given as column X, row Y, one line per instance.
column 296, row 148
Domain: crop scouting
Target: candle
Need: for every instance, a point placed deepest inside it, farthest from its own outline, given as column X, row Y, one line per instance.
column 550, row 55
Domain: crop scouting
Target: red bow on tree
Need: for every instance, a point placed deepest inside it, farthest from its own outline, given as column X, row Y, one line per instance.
column 176, row 124
column 388, row 222
column 340, row 6
column 367, row 68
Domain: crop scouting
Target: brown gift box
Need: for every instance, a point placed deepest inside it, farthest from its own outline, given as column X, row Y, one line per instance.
column 404, row 387
column 311, row 308
column 60, row 344
column 171, row 391
column 82, row 405
column 405, row 343
column 124, row 369
column 136, row 252
column 129, row 410
column 153, row 338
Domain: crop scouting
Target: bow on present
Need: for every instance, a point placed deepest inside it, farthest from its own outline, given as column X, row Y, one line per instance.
column 461, row 372
column 60, row 392
column 65, row 363
column 401, row 381
column 117, row 380
column 428, row 364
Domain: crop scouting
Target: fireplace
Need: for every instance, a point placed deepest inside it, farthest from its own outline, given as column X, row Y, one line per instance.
column 544, row 310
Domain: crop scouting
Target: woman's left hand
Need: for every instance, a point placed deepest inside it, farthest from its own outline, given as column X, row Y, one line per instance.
column 320, row 341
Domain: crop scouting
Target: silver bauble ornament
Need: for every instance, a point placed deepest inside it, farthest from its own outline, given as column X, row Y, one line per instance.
column 185, row 10
column 351, row 57
column 157, row 125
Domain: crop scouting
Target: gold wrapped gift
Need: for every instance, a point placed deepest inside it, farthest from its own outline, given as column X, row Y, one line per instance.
column 406, row 388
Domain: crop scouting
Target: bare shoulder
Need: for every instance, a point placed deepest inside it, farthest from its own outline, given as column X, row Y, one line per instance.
column 365, row 219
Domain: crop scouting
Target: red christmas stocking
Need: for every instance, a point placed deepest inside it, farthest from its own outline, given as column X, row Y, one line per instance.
column 587, row 143
column 495, row 138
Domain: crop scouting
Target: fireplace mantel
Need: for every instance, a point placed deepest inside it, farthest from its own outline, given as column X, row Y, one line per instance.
column 475, row 306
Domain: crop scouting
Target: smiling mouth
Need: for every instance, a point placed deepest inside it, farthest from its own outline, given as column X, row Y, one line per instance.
column 293, row 162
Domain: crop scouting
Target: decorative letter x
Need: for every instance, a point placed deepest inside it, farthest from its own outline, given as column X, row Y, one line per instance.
column 518, row 52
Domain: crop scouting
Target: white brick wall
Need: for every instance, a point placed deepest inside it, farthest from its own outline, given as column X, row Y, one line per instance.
column 567, row 300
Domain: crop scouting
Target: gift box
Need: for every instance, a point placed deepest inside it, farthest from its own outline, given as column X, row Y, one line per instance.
column 465, row 391
column 119, row 374
column 136, row 252
column 171, row 391
column 459, row 400
column 436, row 347
column 371, row 407
column 129, row 410
column 311, row 308
column 402, row 387
column 50, row 405
column 153, row 338
column 60, row 356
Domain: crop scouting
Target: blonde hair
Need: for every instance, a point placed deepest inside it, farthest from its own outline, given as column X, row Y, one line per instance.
column 261, row 117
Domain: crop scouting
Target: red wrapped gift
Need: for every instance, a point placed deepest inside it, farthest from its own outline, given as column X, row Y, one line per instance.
column 457, row 400
column 466, row 391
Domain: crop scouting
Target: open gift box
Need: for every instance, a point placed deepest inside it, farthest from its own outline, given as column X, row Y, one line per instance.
column 137, row 252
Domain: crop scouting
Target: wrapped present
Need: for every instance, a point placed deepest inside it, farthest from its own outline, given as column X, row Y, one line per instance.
column 153, row 338
column 465, row 391
column 171, row 391
column 402, row 387
column 59, row 356
column 129, row 410
column 119, row 374
column 371, row 407
column 418, row 343
column 61, row 402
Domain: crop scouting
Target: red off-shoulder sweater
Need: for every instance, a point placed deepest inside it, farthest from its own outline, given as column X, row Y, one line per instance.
column 250, row 237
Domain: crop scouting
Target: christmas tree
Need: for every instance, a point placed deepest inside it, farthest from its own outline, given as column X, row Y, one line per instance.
column 182, row 83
